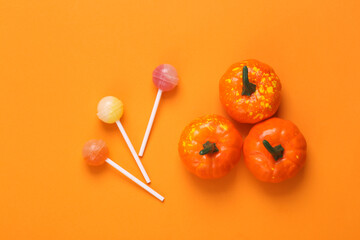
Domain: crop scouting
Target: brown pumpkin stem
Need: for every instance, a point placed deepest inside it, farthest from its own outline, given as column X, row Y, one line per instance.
column 209, row 147
column 277, row 152
column 248, row 87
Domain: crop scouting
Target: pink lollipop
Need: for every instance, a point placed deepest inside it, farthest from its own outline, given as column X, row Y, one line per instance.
column 165, row 79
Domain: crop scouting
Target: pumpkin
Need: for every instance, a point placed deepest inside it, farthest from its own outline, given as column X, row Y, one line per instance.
column 274, row 150
column 250, row 91
column 210, row 146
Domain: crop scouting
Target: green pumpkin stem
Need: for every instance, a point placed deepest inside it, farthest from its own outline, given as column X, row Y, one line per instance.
column 248, row 87
column 277, row 152
column 209, row 147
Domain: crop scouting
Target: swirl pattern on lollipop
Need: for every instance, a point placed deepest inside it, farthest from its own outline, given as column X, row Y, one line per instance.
column 165, row 77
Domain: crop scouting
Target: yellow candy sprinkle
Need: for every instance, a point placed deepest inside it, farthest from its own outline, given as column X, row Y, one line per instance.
column 270, row 89
column 260, row 115
column 224, row 127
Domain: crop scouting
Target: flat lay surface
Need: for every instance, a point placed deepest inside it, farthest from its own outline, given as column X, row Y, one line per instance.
column 59, row 58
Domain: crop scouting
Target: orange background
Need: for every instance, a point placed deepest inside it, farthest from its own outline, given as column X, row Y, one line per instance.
column 58, row 58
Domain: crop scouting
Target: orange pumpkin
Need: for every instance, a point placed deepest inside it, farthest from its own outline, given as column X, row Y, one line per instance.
column 210, row 146
column 274, row 150
column 250, row 91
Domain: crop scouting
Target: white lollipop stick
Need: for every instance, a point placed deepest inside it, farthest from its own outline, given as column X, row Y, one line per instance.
column 134, row 179
column 151, row 121
column 132, row 150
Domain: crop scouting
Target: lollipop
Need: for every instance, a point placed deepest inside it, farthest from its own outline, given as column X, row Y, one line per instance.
column 165, row 78
column 110, row 109
column 95, row 153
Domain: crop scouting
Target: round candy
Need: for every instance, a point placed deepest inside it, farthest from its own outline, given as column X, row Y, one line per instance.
column 95, row 152
column 110, row 109
column 165, row 77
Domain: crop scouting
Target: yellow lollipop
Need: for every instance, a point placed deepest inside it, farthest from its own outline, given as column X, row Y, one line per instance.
column 110, row 110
